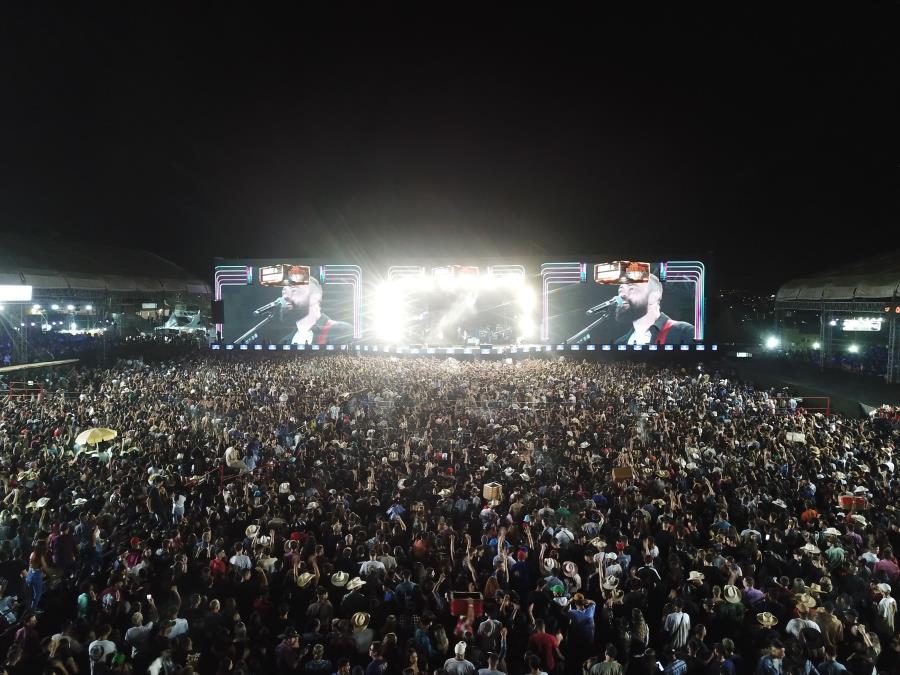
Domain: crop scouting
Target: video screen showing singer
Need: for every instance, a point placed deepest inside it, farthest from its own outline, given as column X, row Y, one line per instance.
column 297, row 318
column 640, row 307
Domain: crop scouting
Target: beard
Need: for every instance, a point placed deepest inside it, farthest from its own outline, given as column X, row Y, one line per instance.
column 294, row 313
column 628, row 313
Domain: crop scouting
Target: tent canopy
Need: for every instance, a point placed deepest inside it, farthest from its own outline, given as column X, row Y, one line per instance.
column 876, row 278
column 57, row 265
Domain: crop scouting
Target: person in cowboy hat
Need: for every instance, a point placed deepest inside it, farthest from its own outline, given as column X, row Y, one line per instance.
column 362, row 634
column 288, row 653
column 354, row 601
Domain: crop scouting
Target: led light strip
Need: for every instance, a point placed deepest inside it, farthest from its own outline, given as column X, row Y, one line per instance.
column 689, row 272
column 504, row 271
column 346, row 275
column 230, row 275
column 397, row 272
column 557, row 274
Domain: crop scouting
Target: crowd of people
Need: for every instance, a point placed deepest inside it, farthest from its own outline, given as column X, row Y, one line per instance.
column 344, row 514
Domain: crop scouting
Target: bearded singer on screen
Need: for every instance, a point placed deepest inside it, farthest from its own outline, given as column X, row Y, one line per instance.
column 640, row 308
column 300, row 319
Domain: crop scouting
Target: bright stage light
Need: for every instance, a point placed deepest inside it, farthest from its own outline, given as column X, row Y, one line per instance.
column 71, row 308
column 54, row 307
column 772, row 342
column 527, row 327
column 853, row 349
column 88, row 307
column 816, row 345
column 390, row 313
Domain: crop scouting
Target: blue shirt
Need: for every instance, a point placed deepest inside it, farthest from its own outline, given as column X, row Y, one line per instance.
column 581, row 625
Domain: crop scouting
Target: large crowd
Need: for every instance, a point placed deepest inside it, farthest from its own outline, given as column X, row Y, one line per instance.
column 346, row 514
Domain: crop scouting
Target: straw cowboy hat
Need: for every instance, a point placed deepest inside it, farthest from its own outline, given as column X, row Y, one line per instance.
column 831, row 532
column 550, row 563
column 611, row 583
column 811, row 549
column 251, row 531
column 284, row 489
column 340, row 579
column 815, row 589
column 570, row 569
column 696, row 576
column 264, row 540
column 355, row 583
column 361, row 620
column 304, row 579
column 766, row 619
column 732, row 594
column 806, row 600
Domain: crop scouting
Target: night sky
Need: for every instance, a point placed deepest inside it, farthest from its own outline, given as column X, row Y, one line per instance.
column 765, row 138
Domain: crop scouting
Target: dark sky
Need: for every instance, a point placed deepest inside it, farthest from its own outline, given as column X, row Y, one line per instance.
column 764, row 137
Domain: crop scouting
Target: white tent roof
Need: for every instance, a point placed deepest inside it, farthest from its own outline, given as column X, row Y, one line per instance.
column 875, row 278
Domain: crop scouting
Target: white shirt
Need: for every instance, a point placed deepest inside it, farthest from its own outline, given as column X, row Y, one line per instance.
column 108, row 647
column 887, row 607
column 136, row 636
column 302, row 337
column 180, row 628
column 242, row 562
column 642, row 338
column 371, row 566
column 678, row 625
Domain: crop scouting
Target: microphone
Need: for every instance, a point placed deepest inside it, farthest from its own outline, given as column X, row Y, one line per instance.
column 275, row 304
column 609, row 304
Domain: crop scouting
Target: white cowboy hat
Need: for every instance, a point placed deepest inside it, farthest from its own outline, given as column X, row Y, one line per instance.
column 264, row 540
column 611, row 583
column 550, row 563
column 732, row 594
column 340, row 579
column 884, row 588
column 780, row 503
column 304, row 579
column 251, row 531
column 284, row 489
column 361, row 619
column 811, row 549
column 831, row 532
column 696, row 576
column 570, row 569
column 766, row 619
column 355, row 583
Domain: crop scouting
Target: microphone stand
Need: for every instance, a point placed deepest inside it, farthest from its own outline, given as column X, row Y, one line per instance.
column 577, row 338
column 255, row 328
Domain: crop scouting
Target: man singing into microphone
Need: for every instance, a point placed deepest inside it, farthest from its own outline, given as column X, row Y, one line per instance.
column 640, row 307
column 300, row 320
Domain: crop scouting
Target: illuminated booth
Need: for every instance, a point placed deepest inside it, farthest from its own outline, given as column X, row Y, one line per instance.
column 853, row 302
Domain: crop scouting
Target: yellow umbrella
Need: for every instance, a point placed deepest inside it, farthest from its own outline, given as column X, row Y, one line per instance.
column 95, row 436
